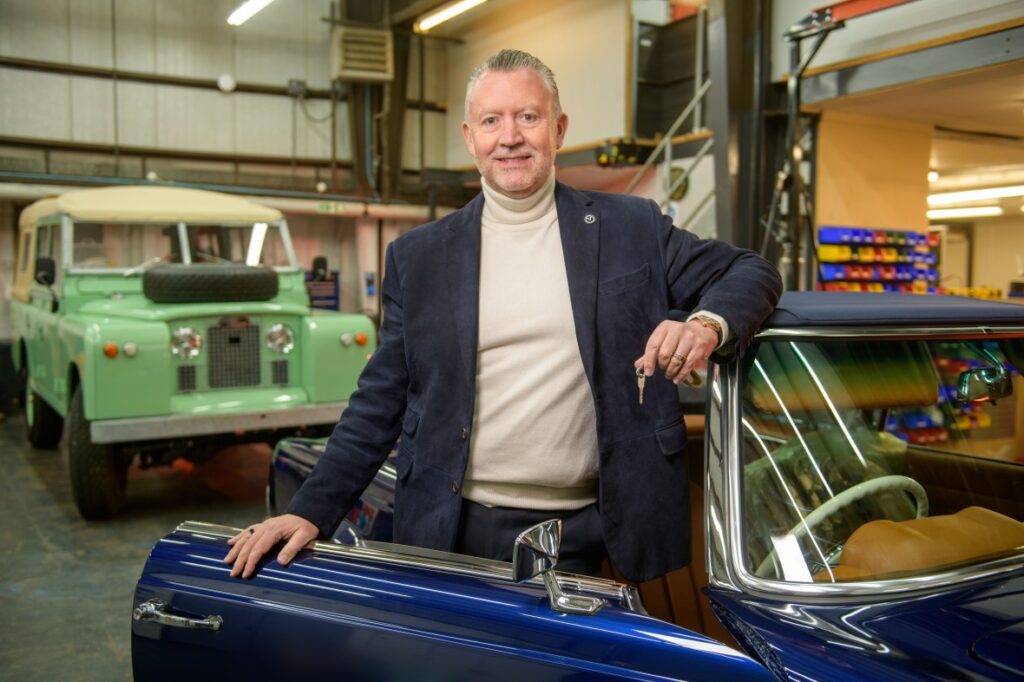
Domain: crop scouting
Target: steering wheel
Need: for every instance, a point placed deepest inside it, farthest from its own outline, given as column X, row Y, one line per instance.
column 846, row 498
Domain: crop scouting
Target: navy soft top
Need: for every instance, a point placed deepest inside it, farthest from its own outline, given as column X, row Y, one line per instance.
column 839, row 309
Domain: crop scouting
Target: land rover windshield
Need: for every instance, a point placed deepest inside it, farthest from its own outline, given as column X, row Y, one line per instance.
column 132, row 247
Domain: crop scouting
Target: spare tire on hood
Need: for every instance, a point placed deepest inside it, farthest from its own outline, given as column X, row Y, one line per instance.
column 209, row 282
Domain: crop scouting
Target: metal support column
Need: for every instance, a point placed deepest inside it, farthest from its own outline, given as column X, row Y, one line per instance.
column 734, row 62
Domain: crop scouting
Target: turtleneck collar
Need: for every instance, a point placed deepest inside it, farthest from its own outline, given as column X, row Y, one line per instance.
column 502, row 209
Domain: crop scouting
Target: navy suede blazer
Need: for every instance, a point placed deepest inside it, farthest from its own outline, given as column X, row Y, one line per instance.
column 627, row 266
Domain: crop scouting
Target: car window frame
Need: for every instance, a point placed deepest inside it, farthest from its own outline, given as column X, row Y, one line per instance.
column 724, row 497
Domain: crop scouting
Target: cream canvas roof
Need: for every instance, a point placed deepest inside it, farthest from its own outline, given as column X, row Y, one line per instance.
column 150, row 204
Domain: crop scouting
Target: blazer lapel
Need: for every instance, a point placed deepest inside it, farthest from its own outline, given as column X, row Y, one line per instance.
column 462, row 246
column 580, row 227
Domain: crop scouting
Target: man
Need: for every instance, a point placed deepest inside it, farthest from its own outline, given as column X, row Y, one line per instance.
column 508, row 360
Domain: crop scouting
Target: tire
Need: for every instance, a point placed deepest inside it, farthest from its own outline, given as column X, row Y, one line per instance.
column 206, row 282
column 43, row 426
column 98, row 472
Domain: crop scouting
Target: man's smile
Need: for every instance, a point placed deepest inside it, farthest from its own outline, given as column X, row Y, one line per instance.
column 513, row 161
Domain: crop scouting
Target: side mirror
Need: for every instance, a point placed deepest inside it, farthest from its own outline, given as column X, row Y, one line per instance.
column 987, row 384
column 319, row 272
column 536, row 553
column 46, row 271
column 984, row 384
column 536, row 550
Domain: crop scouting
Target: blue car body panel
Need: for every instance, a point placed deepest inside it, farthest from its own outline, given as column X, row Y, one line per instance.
column 933, row 637
column 327, row 617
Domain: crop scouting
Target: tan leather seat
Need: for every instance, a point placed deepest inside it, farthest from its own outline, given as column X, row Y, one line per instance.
column 887, row 547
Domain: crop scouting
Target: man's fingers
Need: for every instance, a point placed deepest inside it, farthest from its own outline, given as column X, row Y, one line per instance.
column 261, row 545
column 653, row 348
column 297, row 542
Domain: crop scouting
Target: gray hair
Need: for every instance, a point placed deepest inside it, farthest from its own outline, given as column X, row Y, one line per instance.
column 513, row 60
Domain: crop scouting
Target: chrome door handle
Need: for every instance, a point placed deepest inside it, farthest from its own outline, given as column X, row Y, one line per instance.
column 155, row 611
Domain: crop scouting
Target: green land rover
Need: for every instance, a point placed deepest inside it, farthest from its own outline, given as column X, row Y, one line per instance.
column 163, row 322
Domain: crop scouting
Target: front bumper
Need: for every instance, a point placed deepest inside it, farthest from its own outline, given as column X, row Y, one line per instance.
column 188, row 425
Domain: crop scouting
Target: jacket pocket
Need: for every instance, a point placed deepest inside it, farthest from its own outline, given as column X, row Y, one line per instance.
column 625, row 282
column 672, row 439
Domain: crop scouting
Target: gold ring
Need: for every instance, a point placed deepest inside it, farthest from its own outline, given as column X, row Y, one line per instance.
column 679, row 356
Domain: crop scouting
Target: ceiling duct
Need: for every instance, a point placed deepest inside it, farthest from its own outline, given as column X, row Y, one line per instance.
column 362, row 54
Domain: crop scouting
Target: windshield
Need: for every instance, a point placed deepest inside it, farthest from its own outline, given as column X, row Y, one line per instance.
column 867, row 460
column 120, row 246
column 244, row 244
column 103, row 246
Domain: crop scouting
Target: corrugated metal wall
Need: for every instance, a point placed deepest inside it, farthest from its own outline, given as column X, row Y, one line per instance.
column 186, row 39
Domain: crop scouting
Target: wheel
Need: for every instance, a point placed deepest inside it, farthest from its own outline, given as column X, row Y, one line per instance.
column 98, row 472
column 199, row 282
column 846, row 498
column 22, row 381
column 43, row 425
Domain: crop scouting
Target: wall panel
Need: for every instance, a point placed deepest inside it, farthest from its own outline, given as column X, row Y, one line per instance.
column 193, row 39
column 201, row 120
column 34, row 29
column 264, row 124
column 34, row 105
column 92, row 110
column 998, row 251
column 872, row 172
column 434, row 129
column 136, row 35
column 137, row 114
column 90, row 36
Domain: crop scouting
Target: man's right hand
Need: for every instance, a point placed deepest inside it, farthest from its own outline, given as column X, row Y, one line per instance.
column 249, row 546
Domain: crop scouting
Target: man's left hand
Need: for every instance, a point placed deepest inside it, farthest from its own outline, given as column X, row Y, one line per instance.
column 678, row 348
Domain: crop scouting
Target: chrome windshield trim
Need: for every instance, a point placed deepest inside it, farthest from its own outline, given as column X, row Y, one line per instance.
column 289, row 248
column 887, row 332
column 183, row 245
column 736, row 576
column 435, row 560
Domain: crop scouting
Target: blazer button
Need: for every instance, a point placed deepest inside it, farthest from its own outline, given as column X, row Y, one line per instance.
column 455, row 486
column 465, row 432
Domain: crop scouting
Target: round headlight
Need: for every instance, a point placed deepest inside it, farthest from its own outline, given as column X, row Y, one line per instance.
column 186, row 342
column 280, row 339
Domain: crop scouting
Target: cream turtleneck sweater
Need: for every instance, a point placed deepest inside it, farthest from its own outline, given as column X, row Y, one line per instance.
column 534, row 443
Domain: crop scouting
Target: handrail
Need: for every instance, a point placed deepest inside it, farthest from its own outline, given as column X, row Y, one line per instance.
column 667, row 138
column 705, row 148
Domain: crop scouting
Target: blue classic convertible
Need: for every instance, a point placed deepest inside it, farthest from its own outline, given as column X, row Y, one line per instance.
column 863, row 495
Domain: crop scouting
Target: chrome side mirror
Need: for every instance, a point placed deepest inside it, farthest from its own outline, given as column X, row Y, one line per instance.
column 536, row 550
column 536, row 553
column 985, row 384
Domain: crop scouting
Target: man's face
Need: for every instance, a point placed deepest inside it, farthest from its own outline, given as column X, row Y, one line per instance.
column 512, row 132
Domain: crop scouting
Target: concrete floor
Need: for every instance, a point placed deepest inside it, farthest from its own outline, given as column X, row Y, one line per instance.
column 66, row 584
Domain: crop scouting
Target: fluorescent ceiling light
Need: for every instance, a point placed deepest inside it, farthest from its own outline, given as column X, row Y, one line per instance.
column 444, row 13
column 245, row 11
column 947, row 198
column 973, row 212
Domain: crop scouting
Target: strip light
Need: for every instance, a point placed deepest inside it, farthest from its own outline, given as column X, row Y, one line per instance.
column 444, row 13
column 947, row 198
column 246, row 10
column 972, row 212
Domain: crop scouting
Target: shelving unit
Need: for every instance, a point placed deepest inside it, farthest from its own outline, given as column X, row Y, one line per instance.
column 863, row 259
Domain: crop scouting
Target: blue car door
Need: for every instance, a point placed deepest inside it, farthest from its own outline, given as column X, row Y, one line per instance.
column 392, row 613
